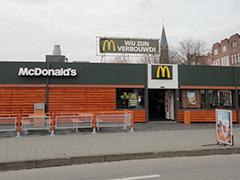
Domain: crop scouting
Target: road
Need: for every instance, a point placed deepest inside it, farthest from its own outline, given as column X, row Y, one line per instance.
column 219, row 167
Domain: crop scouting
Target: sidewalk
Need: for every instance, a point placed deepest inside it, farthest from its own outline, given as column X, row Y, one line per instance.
column 76, row 148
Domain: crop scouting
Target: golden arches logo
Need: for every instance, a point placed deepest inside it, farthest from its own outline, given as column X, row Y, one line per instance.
column 109, row 45
column 163, row 72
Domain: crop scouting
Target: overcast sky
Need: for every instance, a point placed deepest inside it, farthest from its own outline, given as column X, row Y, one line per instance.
column 30, row 28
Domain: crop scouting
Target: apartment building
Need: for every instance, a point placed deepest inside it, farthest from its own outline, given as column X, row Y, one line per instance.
column 227, row 52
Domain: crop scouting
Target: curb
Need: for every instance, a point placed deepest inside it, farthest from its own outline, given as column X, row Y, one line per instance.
column 114, row 157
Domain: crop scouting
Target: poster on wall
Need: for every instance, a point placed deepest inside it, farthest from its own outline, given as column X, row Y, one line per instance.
column 133, row 100
column 224, row 126
column 191, row 96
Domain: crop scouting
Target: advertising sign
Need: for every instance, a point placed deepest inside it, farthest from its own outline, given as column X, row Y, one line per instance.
column 128, row 46
column 162, row 72
column 224, row 126
column 133, row 100
column 191, row 97
column 162, row 76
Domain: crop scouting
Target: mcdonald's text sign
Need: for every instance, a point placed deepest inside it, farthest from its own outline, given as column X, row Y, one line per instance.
column 128, row 46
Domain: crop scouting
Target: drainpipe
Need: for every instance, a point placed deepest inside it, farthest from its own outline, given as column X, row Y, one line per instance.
column 236, row 102
column 46, row 89
column 206, row 99
column 176, row 103
column 146, row 100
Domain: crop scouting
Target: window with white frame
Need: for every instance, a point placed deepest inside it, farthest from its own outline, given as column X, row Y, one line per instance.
column 234, row 44
column 224, row 61
column 215, row 52
column 235, row 58
column 227, row 61
column 238, row 57
column 232, row 59
column 224, row 48
column 216, row 62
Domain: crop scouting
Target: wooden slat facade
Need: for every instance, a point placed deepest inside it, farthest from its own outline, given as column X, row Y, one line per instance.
column 61, row 99
column 202, row 115
column 81, row 99
column 139, row 116
column 20, row 99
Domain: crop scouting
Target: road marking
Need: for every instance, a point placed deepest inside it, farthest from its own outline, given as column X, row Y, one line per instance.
column 139, row 177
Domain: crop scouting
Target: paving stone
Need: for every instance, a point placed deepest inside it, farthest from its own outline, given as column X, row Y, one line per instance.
column 150, row 140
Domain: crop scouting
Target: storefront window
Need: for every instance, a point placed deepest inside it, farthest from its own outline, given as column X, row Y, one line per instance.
column 130, row 98
column 192, row 99
column 220, row 99
column 213, row 98
column 203, row 99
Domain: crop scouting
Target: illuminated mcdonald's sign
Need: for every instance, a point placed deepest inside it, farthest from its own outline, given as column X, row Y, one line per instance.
column 108, row 45
column 161, row 72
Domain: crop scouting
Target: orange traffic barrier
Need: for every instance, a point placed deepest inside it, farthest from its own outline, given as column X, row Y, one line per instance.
column 132, row 120
column 94, row 122
column 52, row 123
column 19, row 118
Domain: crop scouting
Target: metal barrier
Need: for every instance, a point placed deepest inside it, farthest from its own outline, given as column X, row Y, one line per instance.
column 36, row 122
column 74, row 121
column 23, row 122
column 114, row 119
column 8, row 123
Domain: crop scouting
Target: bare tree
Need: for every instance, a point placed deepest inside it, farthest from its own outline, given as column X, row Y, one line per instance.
column 174, row 56
column 148, row 59
column 121, row 59
column 190, row 50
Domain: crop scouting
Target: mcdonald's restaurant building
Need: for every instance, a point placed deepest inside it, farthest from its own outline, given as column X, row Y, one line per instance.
column 154, row 92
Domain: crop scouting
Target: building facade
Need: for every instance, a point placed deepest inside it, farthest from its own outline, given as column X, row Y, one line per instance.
column 154, row 92
column 227, row 52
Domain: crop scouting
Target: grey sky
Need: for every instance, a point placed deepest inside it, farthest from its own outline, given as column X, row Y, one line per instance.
column 30, row 28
